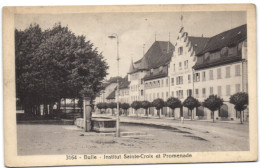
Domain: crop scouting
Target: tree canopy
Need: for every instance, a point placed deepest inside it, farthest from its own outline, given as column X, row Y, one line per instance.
column 55, row 64
column 190, row 102
column 240, row 100
column 158, row 103
column 213, row 103
column 145, row 104
column 136, row 105
column 173, row 103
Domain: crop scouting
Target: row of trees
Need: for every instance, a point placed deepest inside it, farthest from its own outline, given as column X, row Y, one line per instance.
column 54, row 64
column 213, row 103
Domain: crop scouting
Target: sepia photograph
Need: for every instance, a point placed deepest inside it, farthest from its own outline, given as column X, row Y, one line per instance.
column 129, row 85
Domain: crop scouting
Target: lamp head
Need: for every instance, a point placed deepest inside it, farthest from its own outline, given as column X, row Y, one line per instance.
column 112, row 37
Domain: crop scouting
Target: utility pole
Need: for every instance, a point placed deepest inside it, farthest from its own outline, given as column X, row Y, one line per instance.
column 117, row 58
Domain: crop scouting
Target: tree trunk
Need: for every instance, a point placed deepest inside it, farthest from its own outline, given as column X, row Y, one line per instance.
column 58, row 105
column 51, row 109
column 159, row 113
column 65, row 105
column 213, row 116
column 146, row 112
column 191, row 115
column 38, row 110
column 45, row 109
column 74, row 107
column 241, row 121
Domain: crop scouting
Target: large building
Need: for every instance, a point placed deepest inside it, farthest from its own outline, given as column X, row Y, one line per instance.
column 221, row 69
column 180, row 69
column 193, row 66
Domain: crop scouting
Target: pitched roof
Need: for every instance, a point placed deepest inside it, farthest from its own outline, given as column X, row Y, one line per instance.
column 124, row 83
column 114, row 79
column 158, row 54
column 218, row 62
column 112, row 95
column 228, row 38
column 198, row 43
column 152, row 76
column 225, row 39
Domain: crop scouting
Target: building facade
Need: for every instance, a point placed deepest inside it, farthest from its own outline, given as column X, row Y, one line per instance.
column 221, row 69
column 194, row 66
column 180, row 69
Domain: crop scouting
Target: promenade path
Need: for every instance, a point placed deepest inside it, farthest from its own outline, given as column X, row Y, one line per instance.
column 162, row 136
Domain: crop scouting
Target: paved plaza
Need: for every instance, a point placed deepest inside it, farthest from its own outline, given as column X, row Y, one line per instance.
column 161, row 135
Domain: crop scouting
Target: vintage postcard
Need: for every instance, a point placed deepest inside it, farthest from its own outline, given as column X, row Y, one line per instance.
column 102, row 85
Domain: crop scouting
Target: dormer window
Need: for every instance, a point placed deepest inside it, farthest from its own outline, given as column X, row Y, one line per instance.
column 180, row 50
column 161, row 67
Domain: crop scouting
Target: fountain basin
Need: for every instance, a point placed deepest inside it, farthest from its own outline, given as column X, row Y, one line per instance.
column 102, row 124
column 99, row 124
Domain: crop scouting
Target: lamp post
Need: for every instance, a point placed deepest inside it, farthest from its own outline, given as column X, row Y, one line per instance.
column 114, row 35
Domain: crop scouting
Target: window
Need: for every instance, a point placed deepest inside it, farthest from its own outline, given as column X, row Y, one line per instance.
column 162, row 82
column 197, row 77
column 189, row 79
column 180, row 66
column 203, row 76
column 186, row 64
column 219, row 91
column 142, row 81
column 179, row 94
column 142, row 92
column 167, row 95
column 189, row 92
column 227, row 72
column 172, row 93
column 211, row 91
column 180, row 50
column 158, row 95
column 228, row 90
column 237, row 87
column 197, row 93
column 162, row 95
column 179, row 80
column 172, row 81
column 237, row 70
column 166, row 82
column 211, row 77
column 203, row 92
column 219, row 73
column 153, row 95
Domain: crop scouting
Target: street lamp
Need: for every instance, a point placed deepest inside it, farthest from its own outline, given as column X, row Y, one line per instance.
column 114, row 35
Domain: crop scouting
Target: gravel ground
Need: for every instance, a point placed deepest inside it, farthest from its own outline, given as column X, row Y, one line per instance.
column 65, row 139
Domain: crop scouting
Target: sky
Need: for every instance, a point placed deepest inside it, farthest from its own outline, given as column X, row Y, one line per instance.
column 134, row 30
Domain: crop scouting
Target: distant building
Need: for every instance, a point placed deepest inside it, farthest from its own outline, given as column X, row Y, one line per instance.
column 153, row 65
column 124, row 96
column 108, row 93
